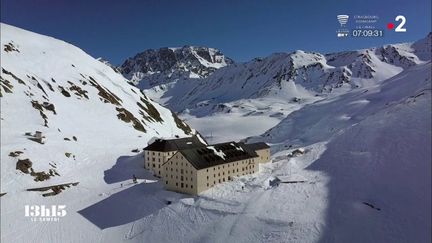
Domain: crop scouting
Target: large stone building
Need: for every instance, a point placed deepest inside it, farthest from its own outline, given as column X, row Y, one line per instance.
column 187, row 165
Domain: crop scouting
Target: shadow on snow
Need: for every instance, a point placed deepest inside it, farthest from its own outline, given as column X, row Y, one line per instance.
column 131, row 203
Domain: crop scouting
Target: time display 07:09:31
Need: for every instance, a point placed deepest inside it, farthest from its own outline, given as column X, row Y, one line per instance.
column 367, row 33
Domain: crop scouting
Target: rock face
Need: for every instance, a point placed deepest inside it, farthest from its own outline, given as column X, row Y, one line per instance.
column 153, row 67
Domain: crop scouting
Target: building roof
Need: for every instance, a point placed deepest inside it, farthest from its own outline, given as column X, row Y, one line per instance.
column 257, row 146
column 217, row 154
column 167, row 145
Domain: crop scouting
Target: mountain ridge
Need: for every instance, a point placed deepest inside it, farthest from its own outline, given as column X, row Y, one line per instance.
column 170, row 63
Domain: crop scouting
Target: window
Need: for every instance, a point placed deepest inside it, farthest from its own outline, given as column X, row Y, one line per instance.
column 224, row 179
column 181, row 171
column 154, row 165
column 181, row 178
column 186, row 185
column 219, row 181
column 166, row 182
column 207, row 185
column 153, row 159
column 181, row 185
column 176, row 184
column 207, row 170
column 207, row 177
column 192, row 186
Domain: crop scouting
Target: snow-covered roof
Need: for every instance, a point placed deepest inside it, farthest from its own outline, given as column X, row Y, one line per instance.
column 217, row 154
column 167, row 145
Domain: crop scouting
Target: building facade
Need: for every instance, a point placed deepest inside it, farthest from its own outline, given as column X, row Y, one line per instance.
column 195, row 170
column 189, row 166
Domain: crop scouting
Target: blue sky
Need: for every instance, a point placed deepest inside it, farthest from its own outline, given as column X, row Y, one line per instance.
column 242, row 29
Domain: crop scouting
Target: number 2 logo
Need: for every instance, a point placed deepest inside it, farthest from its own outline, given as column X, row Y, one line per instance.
column 400, row 27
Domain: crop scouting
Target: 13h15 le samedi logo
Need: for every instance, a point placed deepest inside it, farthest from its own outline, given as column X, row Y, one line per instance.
column 44, row 213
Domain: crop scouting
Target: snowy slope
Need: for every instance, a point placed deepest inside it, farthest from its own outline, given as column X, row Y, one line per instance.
column 106, row 62
column 81, row 106
column 378, row 151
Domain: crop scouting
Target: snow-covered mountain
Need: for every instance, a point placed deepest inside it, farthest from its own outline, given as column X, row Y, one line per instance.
column 293, row 76
column 153, row 67
column 78, row 104
column 272, row 87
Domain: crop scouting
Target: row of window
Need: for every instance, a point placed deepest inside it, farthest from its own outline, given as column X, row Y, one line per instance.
column 159, row 153
column 229, row 171
column 182, row 185
column 229, row 178
column 228, row 165
column 181, row 170
column 185, row 178
column 181, row 163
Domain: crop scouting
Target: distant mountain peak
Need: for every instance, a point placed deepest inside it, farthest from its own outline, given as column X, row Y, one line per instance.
column 172, row 63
